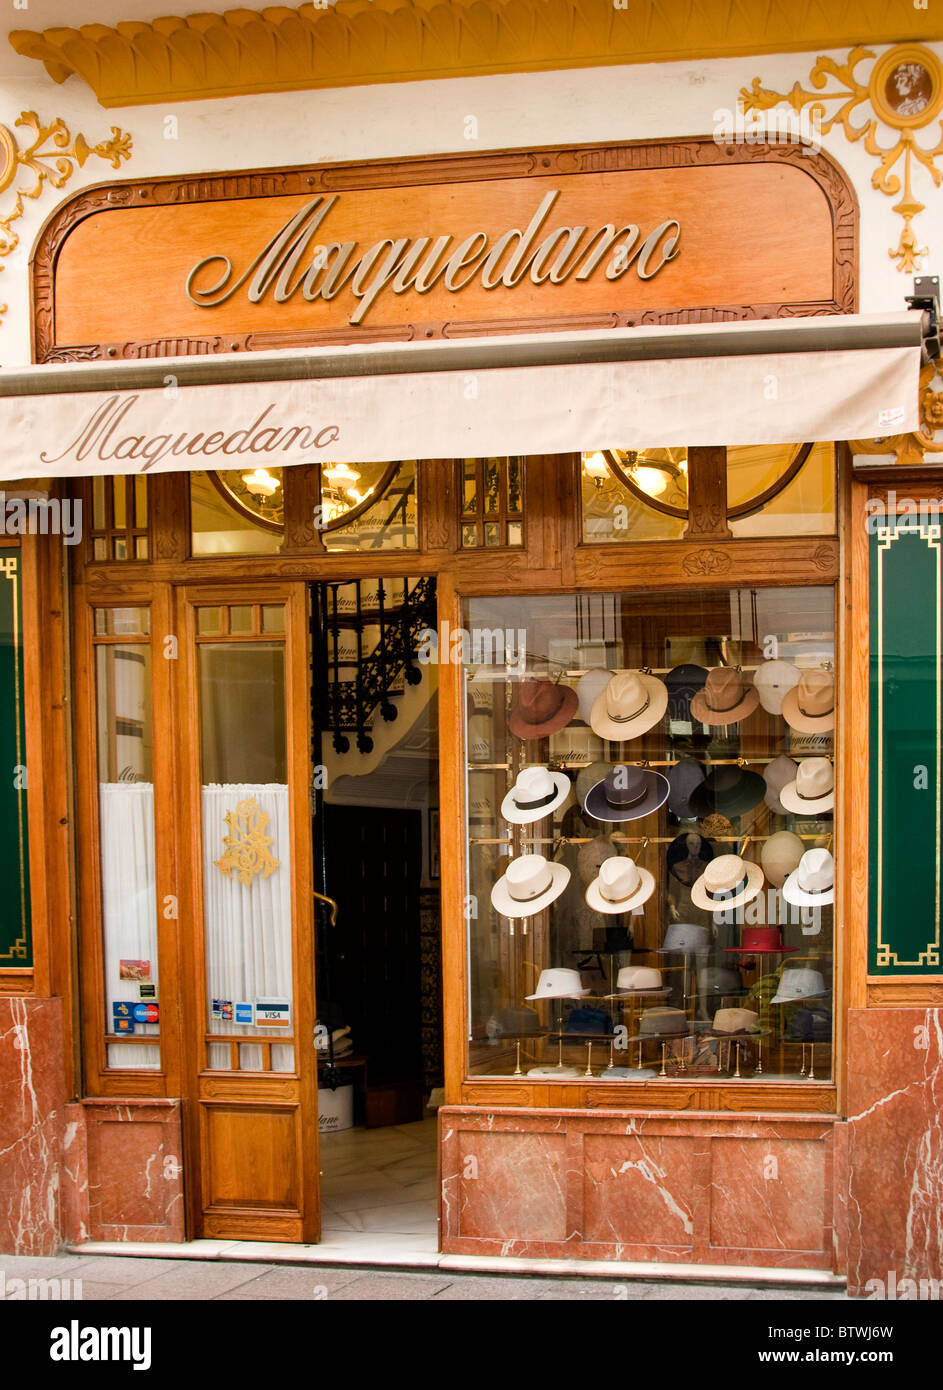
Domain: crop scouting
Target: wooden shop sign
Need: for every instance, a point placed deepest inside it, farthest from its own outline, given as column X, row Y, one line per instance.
column 420, row 248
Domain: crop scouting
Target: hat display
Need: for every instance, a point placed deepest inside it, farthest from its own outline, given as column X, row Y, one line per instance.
column 779, row 773
column 761, row 941
column 686, row 856
column 727, row 882
column 813, row 791
column 528, row 885
column 731, row 1021
column 780, row 855
column 588, row 689
column 635, row 977
column 620, row 886
column 683, row 779
column 725, row 699
column 559, row 984
column 632, row 703
column 682, row 684
column 810, row 706
column 663, row 1022
column 536, row 793
column 810, row 1025
column 719, row 979
column 812, row 884
column 592, row 855
column 796, row 982
column 626, row 793
column 773, row 681
column 686, row 938
column 543, row 707
column 728, row 790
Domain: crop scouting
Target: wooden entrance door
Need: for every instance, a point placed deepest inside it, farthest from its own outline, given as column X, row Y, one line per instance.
column 252, row 1115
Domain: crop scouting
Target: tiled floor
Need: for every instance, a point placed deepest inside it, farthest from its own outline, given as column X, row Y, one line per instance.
column 380, row 1182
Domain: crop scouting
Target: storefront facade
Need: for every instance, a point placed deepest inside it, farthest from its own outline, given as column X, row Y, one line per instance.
column 615, row 482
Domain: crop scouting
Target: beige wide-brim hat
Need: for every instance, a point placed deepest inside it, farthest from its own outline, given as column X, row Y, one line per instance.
column 812, row 884
column 780, row 855
column 810, row 706
column 726, row 698
column 813, row 791
column 588, row 689
column 727, row 882
column 538, row 792
column 772, row 682
column 559, row 984
column 779, row 773
column 632, row 703
column 620, row 886
column 528, row 885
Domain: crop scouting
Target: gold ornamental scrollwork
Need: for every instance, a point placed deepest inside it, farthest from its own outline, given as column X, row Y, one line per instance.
column 248, row 848
column 51, row 156
column 904, row 94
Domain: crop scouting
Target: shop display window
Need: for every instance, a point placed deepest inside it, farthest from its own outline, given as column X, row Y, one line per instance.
column 651, row 862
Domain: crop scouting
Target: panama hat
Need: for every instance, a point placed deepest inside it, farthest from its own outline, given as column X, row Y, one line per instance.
column 812, row 883
column 731, row 1022
column 727, row 882
column 687, row 854
column 559, row 984
column 588, row 689
column 725, row 699
column 543, row 707
column 686, row 938
column 780, row 855
column 779, row 773
column 683, row 780
column 682, row 684
column 810, row 706
column 798, row 983
column 528, row 885
column 813, row 791
column 536, row 793
column 620, row 886
column 627, row 793
column 761, row 941
column 634, row 977
column 729, row 790
column 592, row 855
column 632, row 703
column 773, row 681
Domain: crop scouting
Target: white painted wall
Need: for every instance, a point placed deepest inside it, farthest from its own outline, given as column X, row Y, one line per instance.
column 646, row 101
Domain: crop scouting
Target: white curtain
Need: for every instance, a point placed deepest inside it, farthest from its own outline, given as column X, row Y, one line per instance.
column 129, row 905
column 247, row 925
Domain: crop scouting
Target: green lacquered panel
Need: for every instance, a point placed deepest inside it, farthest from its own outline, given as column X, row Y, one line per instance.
column 16, row 948
column 905, row 733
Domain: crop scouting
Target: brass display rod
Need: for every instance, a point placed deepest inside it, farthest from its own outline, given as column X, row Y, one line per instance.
column 635, row 840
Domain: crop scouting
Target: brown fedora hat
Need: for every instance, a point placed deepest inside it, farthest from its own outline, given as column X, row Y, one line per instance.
column 810, row 706
column 725, row 699
column 543, row 707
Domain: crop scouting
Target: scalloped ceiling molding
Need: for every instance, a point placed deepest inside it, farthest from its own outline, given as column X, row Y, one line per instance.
column 361, row 41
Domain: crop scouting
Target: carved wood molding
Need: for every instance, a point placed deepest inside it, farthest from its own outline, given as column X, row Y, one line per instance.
column 356, row 41
column 698, row 152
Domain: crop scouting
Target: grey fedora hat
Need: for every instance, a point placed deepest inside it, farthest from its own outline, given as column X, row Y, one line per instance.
column 683, row 780
column 627, row 793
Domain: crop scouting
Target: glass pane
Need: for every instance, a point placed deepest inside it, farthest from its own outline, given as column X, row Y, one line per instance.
column 469, row 486
column 98, row 504
column 246, row 843
column 209, row 621
column 689, row 738
column 492, row 533
column 218, row 528
column 122, row 622
column 469, row 537
column 140, row 500
column 100, row 549
column 515, row 533
column 126, row 832
column 120, row 546
column 804, row 507
column 515, row 498
column 273, row 617
column 613, row 513
column 101, row 621
column 240, row 618
column 390, row 524
column 119, row 495
column 140, row 547
column 492, row 469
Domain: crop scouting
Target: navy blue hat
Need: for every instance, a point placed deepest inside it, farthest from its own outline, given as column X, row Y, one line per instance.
column 683, row 683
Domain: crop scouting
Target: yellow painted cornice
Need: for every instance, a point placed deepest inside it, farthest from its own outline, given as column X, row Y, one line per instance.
column 279, row 49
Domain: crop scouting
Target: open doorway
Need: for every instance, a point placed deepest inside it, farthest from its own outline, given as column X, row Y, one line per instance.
column 376, row 839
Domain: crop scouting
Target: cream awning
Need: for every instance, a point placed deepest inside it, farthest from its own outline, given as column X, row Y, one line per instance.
column 768, row 382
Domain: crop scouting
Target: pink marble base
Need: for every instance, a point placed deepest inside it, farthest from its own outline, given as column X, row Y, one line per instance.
column 135, row 1170
column 707, row 1189
column 32, row 1099
column 894, row 1214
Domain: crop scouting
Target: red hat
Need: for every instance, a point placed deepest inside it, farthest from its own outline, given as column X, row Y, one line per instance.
column 762, row 941
column 543, row 707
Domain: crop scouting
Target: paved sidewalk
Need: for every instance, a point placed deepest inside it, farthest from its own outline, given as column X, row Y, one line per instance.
column 107, row 1277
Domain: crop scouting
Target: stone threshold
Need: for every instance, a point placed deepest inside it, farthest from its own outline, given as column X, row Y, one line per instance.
column 409, row 1253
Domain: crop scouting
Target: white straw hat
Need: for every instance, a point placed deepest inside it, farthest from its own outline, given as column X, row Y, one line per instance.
column 798, row 983
column 773, row 680
column 588, row 689
column 813, row 791
column 528, row 885
column 559, row 984
column 620, row 886
column 812, row 884
column 780, row 855
column 727, row 882
column 638, row 977
column 632, row 703
column 536, row 793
